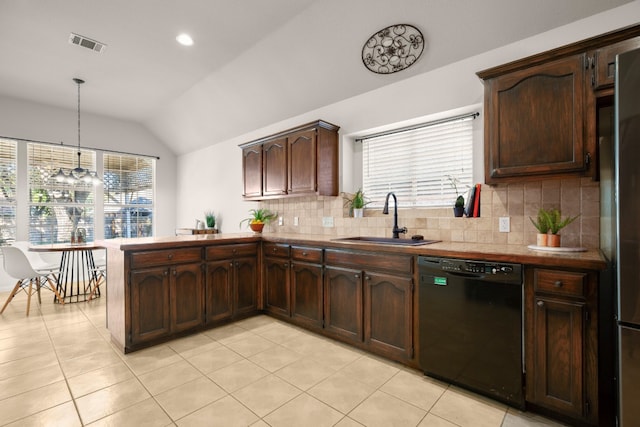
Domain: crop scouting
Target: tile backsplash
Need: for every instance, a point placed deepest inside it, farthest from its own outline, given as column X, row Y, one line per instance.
column 516, row 201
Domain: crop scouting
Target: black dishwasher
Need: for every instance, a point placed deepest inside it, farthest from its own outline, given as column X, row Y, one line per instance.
column 471, row 325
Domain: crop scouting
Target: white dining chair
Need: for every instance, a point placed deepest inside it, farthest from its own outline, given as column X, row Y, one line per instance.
column 99, row 273
column 35, row 259
column 17, row 266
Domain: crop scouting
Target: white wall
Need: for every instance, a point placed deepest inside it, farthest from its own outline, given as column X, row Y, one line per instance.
column 27, row 120
column 211, row 178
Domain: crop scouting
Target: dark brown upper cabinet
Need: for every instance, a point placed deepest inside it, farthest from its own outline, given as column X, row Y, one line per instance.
column 299, row 161
column 540, row 111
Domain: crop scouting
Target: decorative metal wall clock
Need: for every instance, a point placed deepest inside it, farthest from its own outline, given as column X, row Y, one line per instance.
column 393, row 49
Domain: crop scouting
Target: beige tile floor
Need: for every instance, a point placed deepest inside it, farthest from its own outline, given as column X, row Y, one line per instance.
column 58, row 368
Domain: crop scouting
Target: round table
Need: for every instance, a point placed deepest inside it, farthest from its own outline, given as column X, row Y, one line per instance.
column 77, row 269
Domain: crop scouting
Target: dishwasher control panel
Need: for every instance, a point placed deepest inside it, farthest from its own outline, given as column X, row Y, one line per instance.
column 483, row 268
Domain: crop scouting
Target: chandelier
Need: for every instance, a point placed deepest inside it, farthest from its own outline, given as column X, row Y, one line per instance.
column 78, row 175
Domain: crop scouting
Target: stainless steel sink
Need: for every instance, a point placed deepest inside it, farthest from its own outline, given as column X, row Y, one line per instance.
column 386, row 241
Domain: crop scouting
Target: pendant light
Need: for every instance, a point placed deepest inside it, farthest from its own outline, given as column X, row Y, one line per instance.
column 79, row 174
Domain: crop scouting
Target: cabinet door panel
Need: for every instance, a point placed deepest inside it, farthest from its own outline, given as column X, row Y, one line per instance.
column 558, row 355
column 306, row 294
column 252, row 171
column 150, row 317
column 218, row 297
column 388, row 313
column 274, row 167
column 302, row 162
column 276, row 287
column 343, row 302
column 246, row 285
column 534, row 123
column 186, row 296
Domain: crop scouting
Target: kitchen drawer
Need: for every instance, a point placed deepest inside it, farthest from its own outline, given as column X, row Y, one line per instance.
column 299, row 253
column 231, row 251
column 392, row 263
column 276, row 249
column 165, row 257
column 560, row 282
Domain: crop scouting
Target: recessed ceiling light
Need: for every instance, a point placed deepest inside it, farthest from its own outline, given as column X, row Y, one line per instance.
column 185, row 39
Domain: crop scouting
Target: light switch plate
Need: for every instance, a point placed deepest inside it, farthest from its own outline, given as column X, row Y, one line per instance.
column 296, row 222
column 280, row 220
column 327, row 221
column 504, row 224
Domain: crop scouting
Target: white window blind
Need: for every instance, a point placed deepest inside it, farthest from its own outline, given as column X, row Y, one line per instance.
column 128, row 196
column 418, row 163
column 56, row 209
column 7, row 190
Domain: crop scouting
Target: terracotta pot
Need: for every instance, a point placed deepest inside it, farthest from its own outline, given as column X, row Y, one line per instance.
column 554, row 240
column 542, row 239
column 257, row 227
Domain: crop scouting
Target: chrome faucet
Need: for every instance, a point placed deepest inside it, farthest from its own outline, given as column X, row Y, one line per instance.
column 385, row 210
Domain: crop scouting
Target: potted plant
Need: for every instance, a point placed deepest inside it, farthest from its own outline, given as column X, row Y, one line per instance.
column 556, row 223
column 258, row 218
column 542, row 225
column 356, row 203
column 458, row 206
column 210, row 219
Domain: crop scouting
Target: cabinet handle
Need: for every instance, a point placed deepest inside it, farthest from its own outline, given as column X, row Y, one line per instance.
column 557, row 283
column 540, row 303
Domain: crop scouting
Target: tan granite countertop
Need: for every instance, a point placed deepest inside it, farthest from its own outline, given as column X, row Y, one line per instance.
column 591, row 259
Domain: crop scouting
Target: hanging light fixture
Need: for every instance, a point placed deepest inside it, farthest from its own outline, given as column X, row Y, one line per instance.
column 79, row 174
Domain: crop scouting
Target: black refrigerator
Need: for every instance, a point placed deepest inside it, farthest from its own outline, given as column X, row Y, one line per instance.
column 627, row 234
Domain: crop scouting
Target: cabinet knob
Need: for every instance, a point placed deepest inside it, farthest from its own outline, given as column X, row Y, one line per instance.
column 165, row 273
column 275, row 250
column 304, row 254
column 557, row 283
column 174, row 272
column 170, row 256
column 234, row 251
column 367, row 277
column 357, row 276
column 540, row 303
column 286, row 265
column 231, row 264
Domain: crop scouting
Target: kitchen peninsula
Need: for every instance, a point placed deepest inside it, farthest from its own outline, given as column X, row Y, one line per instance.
column 360, row 293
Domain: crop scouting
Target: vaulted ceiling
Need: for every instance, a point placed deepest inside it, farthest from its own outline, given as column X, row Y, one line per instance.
column 254, row 62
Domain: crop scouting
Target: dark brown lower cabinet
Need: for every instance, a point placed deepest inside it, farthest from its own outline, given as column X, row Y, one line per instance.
column 165, row 300
column 343, row 302
column 219, row 291
column 561, row 336
column 306, row 294
column 388, row 314
column 245, row 290
column 276, row 286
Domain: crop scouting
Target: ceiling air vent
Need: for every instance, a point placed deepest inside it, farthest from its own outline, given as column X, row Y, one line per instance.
column 87, row 42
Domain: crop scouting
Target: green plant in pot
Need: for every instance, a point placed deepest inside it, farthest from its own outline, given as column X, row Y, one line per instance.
column 356, row 203
column 556, row 223
column 210, row 219
column 458, row 206
column 258, row 218
column 542, row 225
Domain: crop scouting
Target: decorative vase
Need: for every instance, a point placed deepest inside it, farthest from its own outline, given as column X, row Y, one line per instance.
column 542, row 239
column 553, row 240
column 458, row 211
column 358, row 212
column 257, row 227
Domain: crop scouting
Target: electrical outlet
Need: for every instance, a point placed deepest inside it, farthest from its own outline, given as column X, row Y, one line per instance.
column 504, row 224
column 280, row 220
column 327, row 221
column 296, row 222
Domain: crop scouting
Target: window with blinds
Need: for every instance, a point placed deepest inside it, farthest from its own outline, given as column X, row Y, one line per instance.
column 8, row 191
column 419, row 163
column 128, row 196
column 56, row 209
